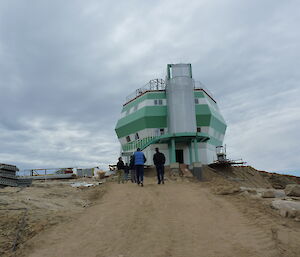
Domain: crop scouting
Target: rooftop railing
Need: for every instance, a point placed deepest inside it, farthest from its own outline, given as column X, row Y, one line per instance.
column 199, row 85
column 152, row 85
column 159, row 84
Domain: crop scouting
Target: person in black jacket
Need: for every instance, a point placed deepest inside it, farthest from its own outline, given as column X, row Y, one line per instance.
column 159, row 160
column 132, row 170
column 126, row 172
column 120, row 170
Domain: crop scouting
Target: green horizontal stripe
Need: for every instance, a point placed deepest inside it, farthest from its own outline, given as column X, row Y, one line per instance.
column 156, row 117
column 149, row 95
column 158, row 95
column 147, row 117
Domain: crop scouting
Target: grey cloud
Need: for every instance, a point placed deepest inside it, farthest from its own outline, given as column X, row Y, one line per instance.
column 66, row 68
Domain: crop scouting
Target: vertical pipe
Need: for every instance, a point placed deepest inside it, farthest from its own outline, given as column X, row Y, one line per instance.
column 190, row 152
column 173, row 153
column 196, row 150
column 170, row 152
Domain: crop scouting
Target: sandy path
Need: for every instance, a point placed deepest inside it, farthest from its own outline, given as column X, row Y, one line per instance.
column 175, row 219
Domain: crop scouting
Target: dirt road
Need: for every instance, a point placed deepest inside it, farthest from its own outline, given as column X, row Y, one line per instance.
column 175, row 219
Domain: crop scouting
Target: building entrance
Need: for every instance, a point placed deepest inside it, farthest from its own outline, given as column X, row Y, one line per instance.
column 179, row 156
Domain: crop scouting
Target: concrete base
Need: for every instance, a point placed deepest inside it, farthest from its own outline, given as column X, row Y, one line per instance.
column 174, row 168
column 197, row 170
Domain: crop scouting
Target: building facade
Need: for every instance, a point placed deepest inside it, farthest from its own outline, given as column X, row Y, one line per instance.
column 178, row 115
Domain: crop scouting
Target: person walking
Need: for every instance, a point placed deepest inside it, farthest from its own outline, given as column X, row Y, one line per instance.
column 120, row 170
column 132, row 170
column 126, row 172
column 159, row 160
column 139, row 160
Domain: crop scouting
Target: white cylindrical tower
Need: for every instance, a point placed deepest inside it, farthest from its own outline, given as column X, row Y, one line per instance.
column 180, row 98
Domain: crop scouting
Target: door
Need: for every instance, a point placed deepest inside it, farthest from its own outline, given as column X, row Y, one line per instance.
column 179, row 156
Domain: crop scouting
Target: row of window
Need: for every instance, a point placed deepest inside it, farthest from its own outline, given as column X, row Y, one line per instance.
column 134, row 109
column 156, row 102
column 136, row 137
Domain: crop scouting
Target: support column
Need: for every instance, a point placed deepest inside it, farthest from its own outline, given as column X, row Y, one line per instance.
column 170, row 152
column 173, row 152
column 196, row 150
column 191, row 153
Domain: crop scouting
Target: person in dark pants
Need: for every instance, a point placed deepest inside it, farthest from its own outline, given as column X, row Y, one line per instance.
column 126, row 172
column 120, row 170
column 132, row 170
column 159, row 160
column 139, row 160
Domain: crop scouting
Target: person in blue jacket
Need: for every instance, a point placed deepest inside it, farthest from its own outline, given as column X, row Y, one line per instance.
column 139, row 160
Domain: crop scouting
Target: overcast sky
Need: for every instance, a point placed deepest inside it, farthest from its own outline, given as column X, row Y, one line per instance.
column 67, row 66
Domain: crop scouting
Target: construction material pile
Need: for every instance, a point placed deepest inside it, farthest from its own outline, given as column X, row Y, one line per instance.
column 8, row 177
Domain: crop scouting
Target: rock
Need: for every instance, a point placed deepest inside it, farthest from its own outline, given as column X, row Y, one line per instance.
column 227, row 190
column 292, row 190
column 296, row 198
column 292, row 213
column 244, row 193
column 278, row 186
column 283, row 204
column 289, row 213
column 283, row 212
column 187, row 173
column 268, row 194
column 256, row 197
column 287, row 209
column 252, row 191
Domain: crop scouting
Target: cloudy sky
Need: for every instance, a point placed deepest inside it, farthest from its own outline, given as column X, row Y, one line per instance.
column 67, row 66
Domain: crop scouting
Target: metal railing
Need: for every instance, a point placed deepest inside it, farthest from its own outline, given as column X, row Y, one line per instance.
column 199, row 85
column 159, row 84
column 152, row 85
column 140, row 143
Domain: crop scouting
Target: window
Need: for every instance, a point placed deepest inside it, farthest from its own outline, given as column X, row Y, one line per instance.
column 128, row 139
column 196, row 101
column 137, row 136
column 158, row 102
column 162, row 131
column 198, row 129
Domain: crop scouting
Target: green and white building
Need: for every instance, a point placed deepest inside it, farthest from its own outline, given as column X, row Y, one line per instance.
column 177, row 115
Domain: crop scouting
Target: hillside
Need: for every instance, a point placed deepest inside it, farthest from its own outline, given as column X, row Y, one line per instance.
column 224, row 215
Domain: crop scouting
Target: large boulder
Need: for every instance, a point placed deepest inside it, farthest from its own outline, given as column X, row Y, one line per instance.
column 287, row 209
column 292, row 190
